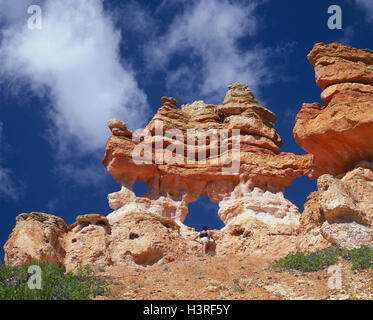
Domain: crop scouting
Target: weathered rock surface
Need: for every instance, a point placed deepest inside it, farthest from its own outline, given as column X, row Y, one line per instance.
column 255, row 189
column 125, row 238
column 340, row 212
column 339, row 134
column 87, row 241
column 37, row 236
column 142, row 238
column 339, row 137
column 247, row 234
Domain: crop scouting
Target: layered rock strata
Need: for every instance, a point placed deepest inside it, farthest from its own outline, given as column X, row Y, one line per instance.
column 257, row 186
column 339, row 135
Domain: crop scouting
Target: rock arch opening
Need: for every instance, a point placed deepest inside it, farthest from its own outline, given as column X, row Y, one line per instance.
column 140, row 188
column 203, row 212
column 299, row 190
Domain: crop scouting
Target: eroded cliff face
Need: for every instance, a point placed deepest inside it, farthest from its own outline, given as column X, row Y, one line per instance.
column 339, row 135
column 340, row 212
column 248, row 185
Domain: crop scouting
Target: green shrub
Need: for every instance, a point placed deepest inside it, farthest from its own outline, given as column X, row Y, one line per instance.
column 309, row 261
column 361, row 258
column 56, row 284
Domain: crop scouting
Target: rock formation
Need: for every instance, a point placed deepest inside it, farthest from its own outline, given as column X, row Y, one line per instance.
column 339, row 137
column 230, row 153
column 36, row 237
column 256, row 188
column 339, row 134
column 133, row 238
column 340, row 212
column 197, row 157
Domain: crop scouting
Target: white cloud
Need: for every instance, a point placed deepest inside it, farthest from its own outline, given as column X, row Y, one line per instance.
column 75, row 59
column 208, row 32
column 7, row 186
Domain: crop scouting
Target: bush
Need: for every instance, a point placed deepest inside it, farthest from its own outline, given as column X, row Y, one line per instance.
column 56, row 284
column 361, row 258
column 309, row 261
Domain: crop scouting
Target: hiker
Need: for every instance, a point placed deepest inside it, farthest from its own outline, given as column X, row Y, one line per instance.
column 204, row 238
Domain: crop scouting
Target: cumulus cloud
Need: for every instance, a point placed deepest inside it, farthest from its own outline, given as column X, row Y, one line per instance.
column 207, row 36
column 75, row 60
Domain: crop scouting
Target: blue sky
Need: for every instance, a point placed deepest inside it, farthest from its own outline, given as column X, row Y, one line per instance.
column 94, row 60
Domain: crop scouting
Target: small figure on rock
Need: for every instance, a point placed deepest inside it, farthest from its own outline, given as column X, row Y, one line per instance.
column 204, row 238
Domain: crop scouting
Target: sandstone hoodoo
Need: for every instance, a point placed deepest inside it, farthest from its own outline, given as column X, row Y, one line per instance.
column 256, row 188
column 251, row 197
column 339, row 135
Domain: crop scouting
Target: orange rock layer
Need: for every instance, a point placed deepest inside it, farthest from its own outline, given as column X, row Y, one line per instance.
column 339, row 135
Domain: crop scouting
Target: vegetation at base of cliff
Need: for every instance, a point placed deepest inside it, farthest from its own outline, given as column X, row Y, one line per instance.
column 306, row 261
column 55, row 283
column 362, row 258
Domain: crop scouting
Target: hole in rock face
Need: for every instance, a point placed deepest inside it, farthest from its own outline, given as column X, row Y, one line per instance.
column 73, row 240
column 202, row 213
column 84, row 224
column 166, row 225
column 238, row 232
column 299, row 190
column 133, row 236
column 100, row 223
column 139, row 188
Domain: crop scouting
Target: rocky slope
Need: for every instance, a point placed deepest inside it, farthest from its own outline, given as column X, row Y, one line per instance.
column 233, row 277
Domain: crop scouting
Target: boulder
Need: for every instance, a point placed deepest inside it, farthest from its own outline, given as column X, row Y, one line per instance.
column 340, row 212
column 36, row 236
